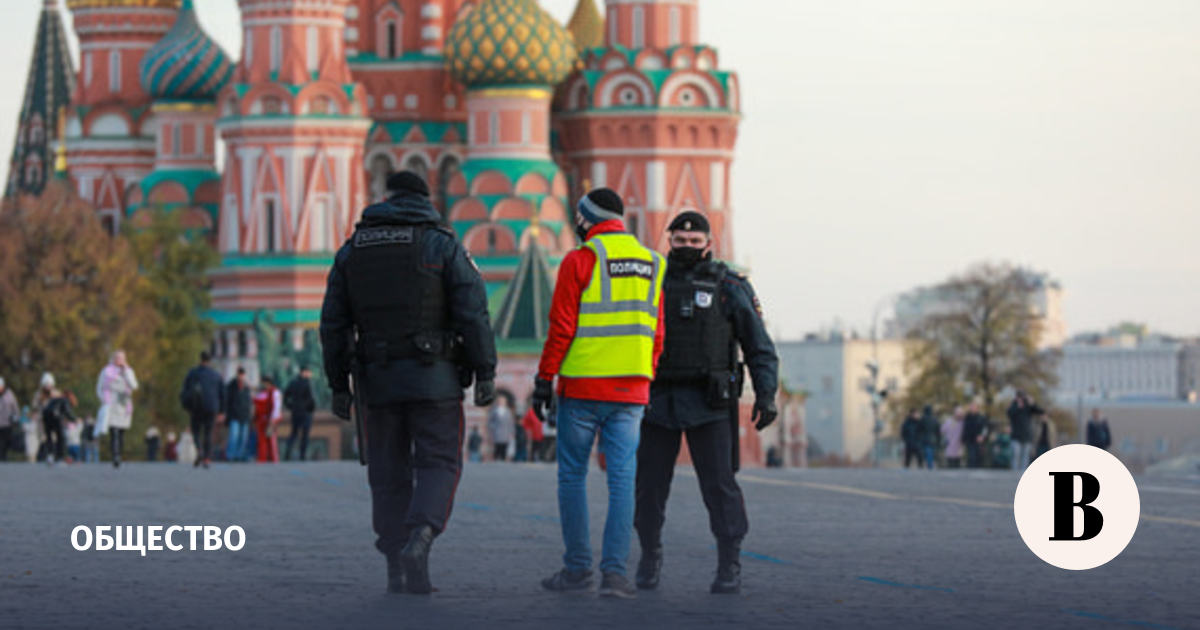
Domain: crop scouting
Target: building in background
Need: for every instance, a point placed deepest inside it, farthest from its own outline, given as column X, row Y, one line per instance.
column 913, row 306
column 49, row 87
column 1122, row 364
column 833, row 375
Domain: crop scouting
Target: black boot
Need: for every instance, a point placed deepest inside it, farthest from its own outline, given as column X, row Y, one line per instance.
column 729, row 567
column 650, row 567
column 395, row 573
column 415, row 557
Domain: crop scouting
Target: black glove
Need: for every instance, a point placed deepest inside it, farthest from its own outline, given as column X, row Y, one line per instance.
column 764, row 414
column 485, row 393
column 465, row 376
column 543, row 395
column 342, row 401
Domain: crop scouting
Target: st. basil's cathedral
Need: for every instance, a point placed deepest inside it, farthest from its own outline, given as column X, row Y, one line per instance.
column 508, row 115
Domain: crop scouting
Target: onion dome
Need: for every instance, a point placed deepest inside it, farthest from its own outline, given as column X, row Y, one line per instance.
column 587, row 25
column 186, row 64
column 509, row 42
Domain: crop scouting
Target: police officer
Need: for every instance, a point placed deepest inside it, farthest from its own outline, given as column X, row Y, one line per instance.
column 406, row 310
column 711, row 311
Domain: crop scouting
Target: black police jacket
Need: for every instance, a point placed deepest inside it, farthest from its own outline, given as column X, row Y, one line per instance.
column 686, row 405
column 401, row 380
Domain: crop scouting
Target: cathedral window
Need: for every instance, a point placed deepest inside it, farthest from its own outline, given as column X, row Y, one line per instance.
column 276, row 48
column 114, row 71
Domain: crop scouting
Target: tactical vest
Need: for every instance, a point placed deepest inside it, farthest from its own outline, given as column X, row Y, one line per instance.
column 699, row 336
column 618, row 311
column 399, row 306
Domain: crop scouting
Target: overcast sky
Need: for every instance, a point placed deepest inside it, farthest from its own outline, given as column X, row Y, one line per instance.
column 891, row 143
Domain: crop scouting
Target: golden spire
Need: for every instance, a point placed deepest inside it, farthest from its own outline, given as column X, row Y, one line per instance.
column 587, row 25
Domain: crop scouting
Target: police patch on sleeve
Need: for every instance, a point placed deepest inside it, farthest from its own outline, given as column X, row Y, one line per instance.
column 383, row 235
column 757, row 306
column 704, row 299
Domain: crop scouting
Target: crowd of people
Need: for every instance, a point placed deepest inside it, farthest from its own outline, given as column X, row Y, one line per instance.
column 527, row 440
column 51, row 430
column 966, row 436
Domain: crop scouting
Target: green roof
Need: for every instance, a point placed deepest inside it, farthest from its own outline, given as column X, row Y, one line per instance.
column 525, row 312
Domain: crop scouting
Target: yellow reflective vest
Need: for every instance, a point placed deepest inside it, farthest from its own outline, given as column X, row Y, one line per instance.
column 618, row 311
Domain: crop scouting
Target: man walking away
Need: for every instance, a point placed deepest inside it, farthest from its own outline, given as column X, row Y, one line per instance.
column 298, row 398
column 237, row 417
column 203, row 396
column 1098, row 433
column 10, row 416
column 1020, row 418
column 604, row 341
column 406, row 308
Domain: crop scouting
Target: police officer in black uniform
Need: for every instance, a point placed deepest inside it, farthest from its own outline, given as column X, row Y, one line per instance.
column 711, row 313
column 406, row 311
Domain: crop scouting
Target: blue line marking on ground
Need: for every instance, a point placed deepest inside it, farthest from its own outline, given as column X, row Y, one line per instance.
column 764, row 557
column 920, row 587
column 539, row 517
column 477, row 507
column 298, row 473
column 1129, row 622
column 331, row 481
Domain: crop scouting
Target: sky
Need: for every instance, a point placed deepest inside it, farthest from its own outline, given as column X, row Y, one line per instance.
column 888, row 144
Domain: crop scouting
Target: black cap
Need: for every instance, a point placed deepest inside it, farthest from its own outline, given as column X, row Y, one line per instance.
column 690, row 221
column 407, row 181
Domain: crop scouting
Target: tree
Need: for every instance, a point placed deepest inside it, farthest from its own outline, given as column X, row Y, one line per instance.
column 72, row 294
column 978, row 338
column 175, row 265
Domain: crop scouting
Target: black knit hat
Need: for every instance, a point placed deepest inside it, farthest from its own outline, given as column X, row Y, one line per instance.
column 600, row 205
column 690, row 221
column 407, row 181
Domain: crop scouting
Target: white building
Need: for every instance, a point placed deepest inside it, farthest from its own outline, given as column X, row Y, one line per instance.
column 1120, row 368
column 833, row 372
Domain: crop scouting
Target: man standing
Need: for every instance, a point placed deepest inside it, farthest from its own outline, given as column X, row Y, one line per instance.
column 910, row 434
column 711, row 312
column 237, row 416
column 406, row 303
column 604, row 341
column 203, row 396
column 10, row 415
column 975, row 430
column 501, row 427
column 931, row 437
column 1098, row 433
column 1020, row 417
column 298, row 397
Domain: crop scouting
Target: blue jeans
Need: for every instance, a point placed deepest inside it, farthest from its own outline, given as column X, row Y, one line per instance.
column 235, row 446
column 930, row 455
column 619, row 427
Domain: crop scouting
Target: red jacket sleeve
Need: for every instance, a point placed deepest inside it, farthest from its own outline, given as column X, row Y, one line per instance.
column 574, row 274
column 659, row 332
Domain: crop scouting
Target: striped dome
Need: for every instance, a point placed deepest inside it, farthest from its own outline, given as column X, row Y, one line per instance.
column 186, row 64
column 509, row 42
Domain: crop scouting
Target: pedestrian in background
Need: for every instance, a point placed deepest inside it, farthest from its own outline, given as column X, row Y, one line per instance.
column 931, row 437
column 268, row 411
column 535, row 434
column 299, row 400
column 203, row 396
column 237, row 417
column 1098, row 433
column 10, row 417
column 974, row 434
column 153, row 441
column 952, row 433
column 910, row 434
column 1020, row 419
column 73, row 432
column 603, row 344
column 501, row 427
column 475, row 445
column 55, row 415
column 115, row 388
column 35, row 438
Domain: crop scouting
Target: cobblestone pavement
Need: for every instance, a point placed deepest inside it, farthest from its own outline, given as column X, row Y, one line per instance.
column 827, row 549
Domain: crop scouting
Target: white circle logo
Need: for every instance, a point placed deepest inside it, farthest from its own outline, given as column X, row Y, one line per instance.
column 1077, row 507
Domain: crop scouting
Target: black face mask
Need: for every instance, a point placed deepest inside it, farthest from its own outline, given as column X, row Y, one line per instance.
column 687, row 255
column 581, row 232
